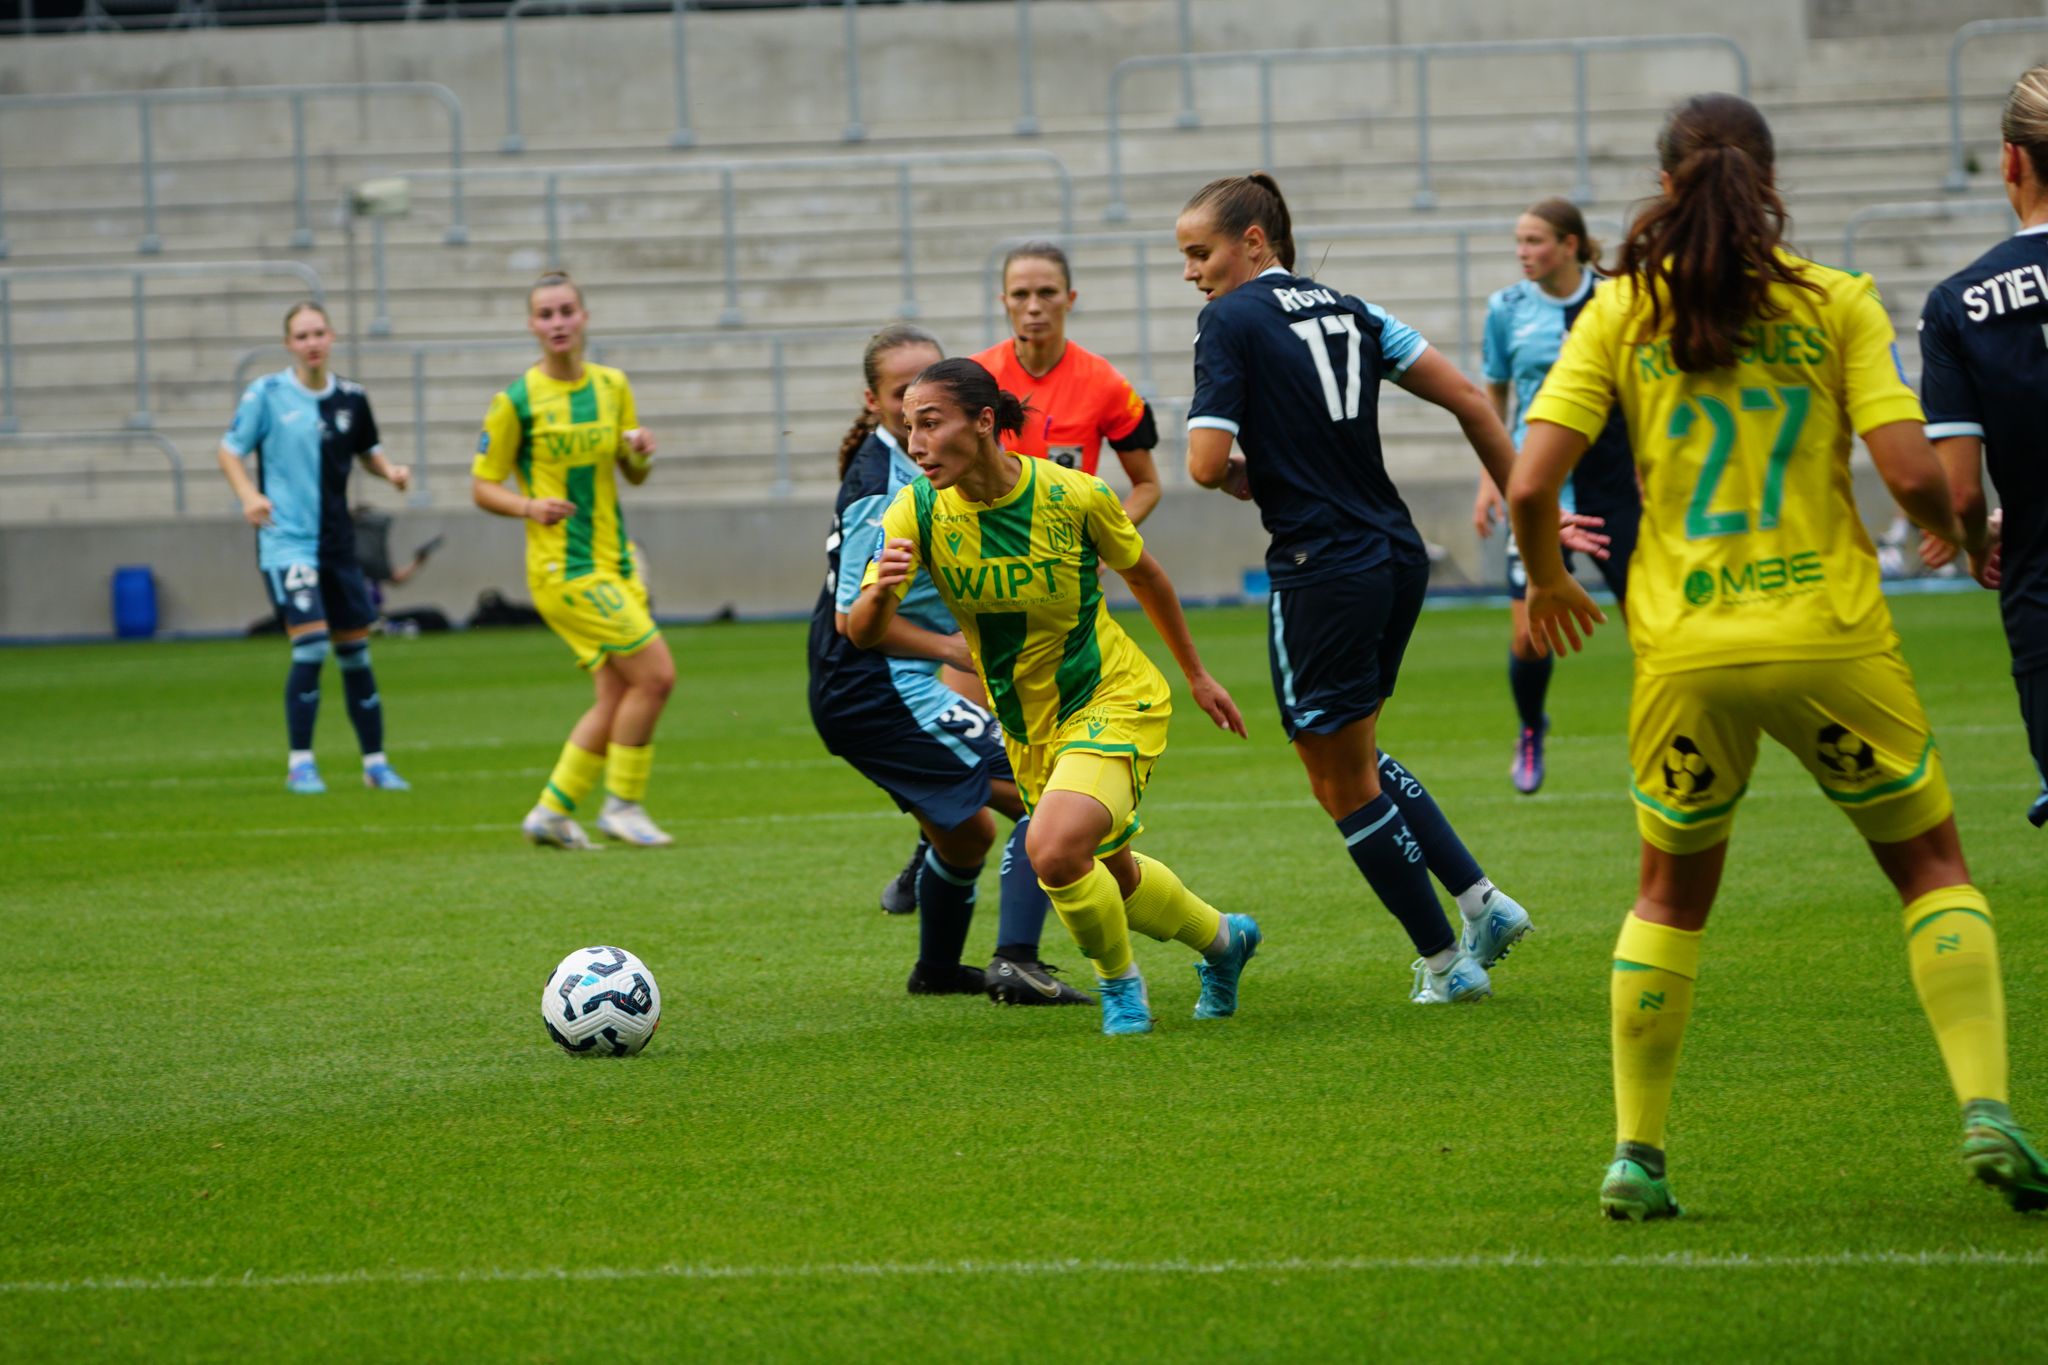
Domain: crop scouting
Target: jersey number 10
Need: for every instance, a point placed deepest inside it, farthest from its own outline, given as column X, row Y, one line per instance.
column 1790, row 402
column 1312, row 331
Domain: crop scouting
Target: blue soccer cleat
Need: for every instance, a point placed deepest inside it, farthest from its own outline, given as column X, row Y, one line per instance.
column 1219, row 978
column 1527, row 771
column 304, row 780
column 1464, row 980
column 1499, row 927
column 382, row 777
column 1124, row 1006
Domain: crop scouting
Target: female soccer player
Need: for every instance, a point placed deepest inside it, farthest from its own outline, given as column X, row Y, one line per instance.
column 889, row 714
column 1984, row 379
column 569, row 428
column 1742, row 371
column 1525, row 325
column 1075, row 399
column 1290, row 370
column 306, row 427
column 1015, row 547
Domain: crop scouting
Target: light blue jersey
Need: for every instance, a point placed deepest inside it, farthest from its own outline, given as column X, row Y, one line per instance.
column 1525, row 329
column 305, row 443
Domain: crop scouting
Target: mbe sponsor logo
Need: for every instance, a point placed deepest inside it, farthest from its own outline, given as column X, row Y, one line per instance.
column 1768, row 577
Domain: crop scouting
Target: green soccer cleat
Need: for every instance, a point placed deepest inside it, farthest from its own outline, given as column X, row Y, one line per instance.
column 1630, row 1194
column 1999, row 1152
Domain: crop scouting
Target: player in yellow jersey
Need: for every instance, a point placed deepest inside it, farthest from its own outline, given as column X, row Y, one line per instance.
column 570, row 431
column 1015, row 547
column 1742, row 371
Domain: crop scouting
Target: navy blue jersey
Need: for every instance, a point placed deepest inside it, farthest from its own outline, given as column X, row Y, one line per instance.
column 305, row 443
column 1292, row 369
column 1984, row 373
column 1525, row 327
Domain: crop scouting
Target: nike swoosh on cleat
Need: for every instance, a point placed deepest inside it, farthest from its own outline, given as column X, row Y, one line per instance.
column 312, row 696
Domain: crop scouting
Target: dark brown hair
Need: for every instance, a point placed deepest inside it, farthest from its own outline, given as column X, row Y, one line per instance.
column 2025, row 121
column 549, row 281
column 1237, row 201
column 1709, row 247
column 1038, row 251
column 1562, row 216
column 301, row 306
column 890, row 338
column 974, row 388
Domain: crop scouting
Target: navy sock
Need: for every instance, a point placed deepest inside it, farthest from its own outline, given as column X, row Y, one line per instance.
column 1024, row 901
column 1529, row 680
column 302, row 687
column 361, row 686
column 1445, row 853
column 945, row 907
column 1386, row 852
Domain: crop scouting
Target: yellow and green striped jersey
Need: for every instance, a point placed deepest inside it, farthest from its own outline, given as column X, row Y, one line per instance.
column 1751, row 549
column 1021, row 576
column 563, row 439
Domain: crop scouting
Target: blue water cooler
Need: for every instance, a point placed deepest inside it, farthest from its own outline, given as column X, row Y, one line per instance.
column 134, row 602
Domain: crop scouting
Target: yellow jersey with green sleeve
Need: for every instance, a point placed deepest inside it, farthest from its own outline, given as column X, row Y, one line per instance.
column 562, row 439
column 1751, row 549
column 1022, row 576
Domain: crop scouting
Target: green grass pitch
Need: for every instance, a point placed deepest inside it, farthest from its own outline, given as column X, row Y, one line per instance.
column 276, row 1087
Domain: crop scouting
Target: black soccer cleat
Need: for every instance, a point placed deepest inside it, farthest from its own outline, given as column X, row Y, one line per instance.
column 899, row 897
column 1010, row 981
column 958, row 979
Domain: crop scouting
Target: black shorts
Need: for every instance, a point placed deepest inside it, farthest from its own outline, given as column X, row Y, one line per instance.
column 1621, row 528
column 2033, row 687
column 940, row 773
column 1336, row 646
column 334, row 592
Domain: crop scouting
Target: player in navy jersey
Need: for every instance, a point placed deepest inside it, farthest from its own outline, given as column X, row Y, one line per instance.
column 1525, row 326
column 307, row 428
column 1984, row 383
column 1289, row 370
column 891, row 715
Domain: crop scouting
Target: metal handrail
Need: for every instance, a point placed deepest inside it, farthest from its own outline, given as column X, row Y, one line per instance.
column 161, row 442
column 1958, row 168
column 145, row 101
column 514, row 140
column 1931, row 208
column 1579, row 49
column 141, row 418
column 902, row 163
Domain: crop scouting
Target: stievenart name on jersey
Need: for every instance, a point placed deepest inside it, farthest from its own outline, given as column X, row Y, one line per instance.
column 2006, row 292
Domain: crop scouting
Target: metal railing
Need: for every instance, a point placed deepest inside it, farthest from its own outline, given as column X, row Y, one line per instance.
column 1422, row 54
column 727, row 172
column 100, row 438
column 774, row 411
column 146, row 101
column 515, row 141
column 1958, row 160
column 1932, row 208
column 1461, row 232
column 142, row 418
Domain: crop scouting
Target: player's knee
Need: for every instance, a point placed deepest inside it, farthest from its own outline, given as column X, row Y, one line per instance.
column 352, row 655
column 968, row 843
column 310, row 647
column 1060, row 857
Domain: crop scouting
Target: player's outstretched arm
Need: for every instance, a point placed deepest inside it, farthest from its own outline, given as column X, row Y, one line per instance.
column 1559, row 609
column 1154, row 590
column 1917, row 481
column 1143, row 472
column 868, row 623
column 399, row 476
column 1437, row 380
column 1212, row 463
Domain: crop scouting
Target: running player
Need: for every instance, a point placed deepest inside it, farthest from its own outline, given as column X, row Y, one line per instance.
column 1075, row 399
column 887, row 712
column 1742, row 371
column 1015, row 546
column 1290, row 370
column 1984, row 377
column 1525, row 325
column 569, row 428
column 306, row 427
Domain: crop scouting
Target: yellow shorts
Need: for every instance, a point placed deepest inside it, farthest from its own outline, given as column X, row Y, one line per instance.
column 1856, row 724
column 1106, row 751
column 597, row 616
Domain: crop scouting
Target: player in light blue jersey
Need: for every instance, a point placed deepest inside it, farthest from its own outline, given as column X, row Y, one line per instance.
column 307, row 428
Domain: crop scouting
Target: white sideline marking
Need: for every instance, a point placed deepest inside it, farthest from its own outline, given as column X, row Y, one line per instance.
column 887, row 1270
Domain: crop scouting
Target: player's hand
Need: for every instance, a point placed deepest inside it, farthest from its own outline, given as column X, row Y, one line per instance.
column 896, row 561
column 1216, row 703
column 256, row 511
column 1488, row 509
column 1576, row 531
column 640, row 441
column 1237, row 479
column 400, row 476
column 1936, row 553
column 1560, row 615
column 548, row 511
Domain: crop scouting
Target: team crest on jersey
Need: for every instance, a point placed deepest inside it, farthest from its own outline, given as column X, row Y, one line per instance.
column 343, row 420
column 1060, row 534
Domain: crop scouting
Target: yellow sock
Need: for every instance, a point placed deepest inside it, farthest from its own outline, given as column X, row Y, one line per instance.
column 1650, row 997
column 1163, row 908
column 1093, row 911
column 626, row 769
column 576, row 773
column 1953, row 951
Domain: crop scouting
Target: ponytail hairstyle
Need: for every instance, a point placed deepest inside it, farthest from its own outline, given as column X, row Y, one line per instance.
column 2025, row 121
column 549, row 281
column 1562, row 216
column 1709, row 247
column 1038, row 251
column 974, row 388
column 893, row 337
column 302, row 306
column 1236, row 202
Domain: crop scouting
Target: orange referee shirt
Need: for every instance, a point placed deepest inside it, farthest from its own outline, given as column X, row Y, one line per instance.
column 1078, row 404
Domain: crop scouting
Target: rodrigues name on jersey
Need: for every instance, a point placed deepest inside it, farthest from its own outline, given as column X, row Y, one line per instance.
column 305, row 443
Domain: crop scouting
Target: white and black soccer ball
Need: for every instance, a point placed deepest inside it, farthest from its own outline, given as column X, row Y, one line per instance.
column 601, row 1002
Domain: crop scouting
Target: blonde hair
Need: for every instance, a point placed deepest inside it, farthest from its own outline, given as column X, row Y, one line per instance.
column 301, row 306
column 2025, row 121
column 549, row 281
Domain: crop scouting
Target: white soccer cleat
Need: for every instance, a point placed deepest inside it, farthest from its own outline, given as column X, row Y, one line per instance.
column 1463, row 981
column 627, row 822
column 552, row 830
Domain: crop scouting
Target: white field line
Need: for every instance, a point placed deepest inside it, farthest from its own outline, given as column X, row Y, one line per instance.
column 888, row 1270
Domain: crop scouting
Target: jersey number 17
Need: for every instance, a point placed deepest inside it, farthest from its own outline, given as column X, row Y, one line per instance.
column 1312, row 331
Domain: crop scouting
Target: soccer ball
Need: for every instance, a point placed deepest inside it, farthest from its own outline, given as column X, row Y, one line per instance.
column 601, row 1002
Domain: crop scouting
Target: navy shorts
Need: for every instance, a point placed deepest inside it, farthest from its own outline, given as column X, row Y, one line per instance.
column 336, row 593
column 940, row 774
column 1336, row 646
column 1620, row 530
column 2033, row 688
